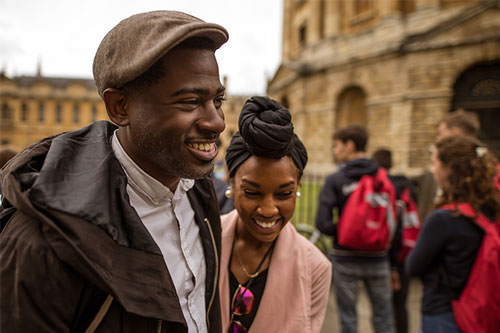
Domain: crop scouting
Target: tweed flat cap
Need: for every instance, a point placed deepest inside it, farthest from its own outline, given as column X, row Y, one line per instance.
column 138, row 42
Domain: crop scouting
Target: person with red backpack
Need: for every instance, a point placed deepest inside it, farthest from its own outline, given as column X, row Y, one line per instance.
column 407, row 231
column 458, row 264
column 357, row 208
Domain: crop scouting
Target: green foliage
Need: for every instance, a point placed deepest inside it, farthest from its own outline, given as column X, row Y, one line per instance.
column 307, row 204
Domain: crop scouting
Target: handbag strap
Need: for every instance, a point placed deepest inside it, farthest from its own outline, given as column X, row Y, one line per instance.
column 100, row 315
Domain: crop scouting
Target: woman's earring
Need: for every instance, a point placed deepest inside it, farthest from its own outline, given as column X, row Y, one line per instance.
column 228, row 193
column 298, row 194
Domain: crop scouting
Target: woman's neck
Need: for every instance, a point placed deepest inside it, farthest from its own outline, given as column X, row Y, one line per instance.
column 249, row 255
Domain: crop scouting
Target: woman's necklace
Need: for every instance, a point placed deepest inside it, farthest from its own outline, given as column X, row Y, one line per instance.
column 254, row 275
column 251, row 276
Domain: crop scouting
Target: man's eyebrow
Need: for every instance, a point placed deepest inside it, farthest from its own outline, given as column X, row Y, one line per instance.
column 198, row 91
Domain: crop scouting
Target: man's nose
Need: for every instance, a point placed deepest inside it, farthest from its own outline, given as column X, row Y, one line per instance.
column 212, row 118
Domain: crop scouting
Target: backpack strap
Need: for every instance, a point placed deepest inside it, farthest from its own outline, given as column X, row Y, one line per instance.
column 479, row 219
column 100, row 315
column 466, row 210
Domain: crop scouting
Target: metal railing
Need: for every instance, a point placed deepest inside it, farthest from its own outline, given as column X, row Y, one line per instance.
column 307, row 204
column 305, row 211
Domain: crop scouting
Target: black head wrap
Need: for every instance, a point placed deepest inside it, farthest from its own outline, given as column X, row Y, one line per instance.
column 265, row 130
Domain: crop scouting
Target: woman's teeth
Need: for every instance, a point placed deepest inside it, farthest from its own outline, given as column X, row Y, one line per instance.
column 266, row 224
column 202, row 146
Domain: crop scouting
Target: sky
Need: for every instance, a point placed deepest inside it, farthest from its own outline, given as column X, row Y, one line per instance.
column 63, row 35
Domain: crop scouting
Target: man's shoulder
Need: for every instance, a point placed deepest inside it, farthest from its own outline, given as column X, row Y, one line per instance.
column 23, row 231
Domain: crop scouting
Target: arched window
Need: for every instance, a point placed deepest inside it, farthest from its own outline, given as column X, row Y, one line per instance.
column 351, row 108
column 477, row 90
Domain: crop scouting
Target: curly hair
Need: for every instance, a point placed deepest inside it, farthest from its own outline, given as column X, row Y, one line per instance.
column 472, row 169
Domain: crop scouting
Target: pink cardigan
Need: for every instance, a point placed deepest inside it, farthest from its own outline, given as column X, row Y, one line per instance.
column 297, row 286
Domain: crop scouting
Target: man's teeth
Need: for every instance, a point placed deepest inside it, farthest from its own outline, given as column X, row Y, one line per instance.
column 266, row 224
column 202, row 146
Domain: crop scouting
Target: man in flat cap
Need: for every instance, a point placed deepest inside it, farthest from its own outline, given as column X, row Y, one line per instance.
column 115, row 227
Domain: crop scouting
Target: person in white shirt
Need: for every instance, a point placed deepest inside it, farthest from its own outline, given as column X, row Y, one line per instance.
column 115, row 227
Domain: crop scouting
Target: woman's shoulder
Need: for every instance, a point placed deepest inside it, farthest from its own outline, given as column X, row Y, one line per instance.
column 445, row 218
column 440, row 213
column 302, row 244
column 228, row 222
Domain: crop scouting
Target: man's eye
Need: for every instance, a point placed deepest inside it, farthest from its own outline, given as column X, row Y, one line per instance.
column 190, row 101
column 219, row 101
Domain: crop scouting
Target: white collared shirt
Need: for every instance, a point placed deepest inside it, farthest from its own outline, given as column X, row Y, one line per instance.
column 169, row 219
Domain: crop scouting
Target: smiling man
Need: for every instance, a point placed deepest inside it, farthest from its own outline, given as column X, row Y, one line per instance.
column 115, row 227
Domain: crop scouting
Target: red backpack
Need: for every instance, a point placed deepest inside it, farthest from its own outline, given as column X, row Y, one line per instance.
column 411, row 223
column 478, row 307
column 496, row 180
column 368, row 220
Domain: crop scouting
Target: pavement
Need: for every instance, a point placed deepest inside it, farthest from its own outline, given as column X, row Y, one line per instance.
column 331, row 325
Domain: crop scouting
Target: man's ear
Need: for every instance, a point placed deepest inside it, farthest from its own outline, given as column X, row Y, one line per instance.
column 351, row 145
column 116, row 105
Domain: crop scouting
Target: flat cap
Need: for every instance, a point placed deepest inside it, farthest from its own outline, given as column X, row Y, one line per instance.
column 138, row 42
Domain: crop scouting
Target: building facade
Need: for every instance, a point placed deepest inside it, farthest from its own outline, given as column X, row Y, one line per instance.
column 34, row 107
column 394, row 66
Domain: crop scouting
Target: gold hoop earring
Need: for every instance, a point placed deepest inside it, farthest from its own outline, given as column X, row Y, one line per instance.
column 228, row 193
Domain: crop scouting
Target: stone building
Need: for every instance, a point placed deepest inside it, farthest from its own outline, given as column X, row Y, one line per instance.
column 395, row 66
column 34, row 107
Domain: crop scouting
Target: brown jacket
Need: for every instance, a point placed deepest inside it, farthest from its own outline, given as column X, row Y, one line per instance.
column 70, row 238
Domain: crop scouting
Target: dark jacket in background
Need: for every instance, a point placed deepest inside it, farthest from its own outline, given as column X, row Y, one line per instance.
column 225, row 204
column 74, row 238
column 452, row 243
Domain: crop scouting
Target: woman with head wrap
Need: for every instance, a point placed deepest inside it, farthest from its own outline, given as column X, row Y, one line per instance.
column 272, row 278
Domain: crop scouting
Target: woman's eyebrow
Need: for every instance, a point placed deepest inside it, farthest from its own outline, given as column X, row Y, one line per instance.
column 251, row 183
column 287, row 184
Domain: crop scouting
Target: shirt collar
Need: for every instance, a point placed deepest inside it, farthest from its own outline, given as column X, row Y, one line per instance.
column 142, row 182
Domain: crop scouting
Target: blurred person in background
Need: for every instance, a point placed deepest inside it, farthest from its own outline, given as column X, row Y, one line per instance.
column 459, row 122
column 449, row 242
column 352, row 267
column 221, row 185
column 406, row 217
